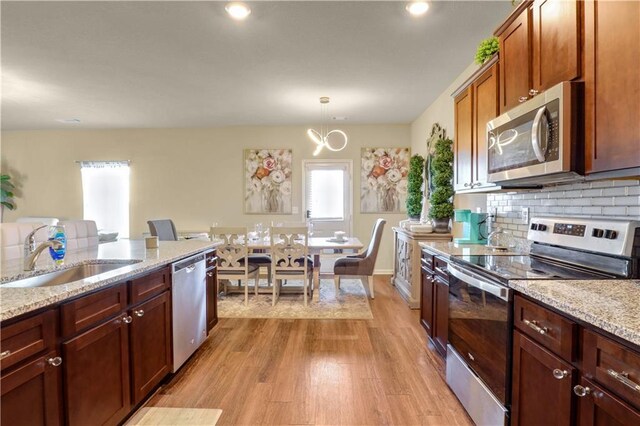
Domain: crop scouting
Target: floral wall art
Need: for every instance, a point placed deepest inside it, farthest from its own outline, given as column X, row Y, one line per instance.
column 267, row 181
column 383, row 180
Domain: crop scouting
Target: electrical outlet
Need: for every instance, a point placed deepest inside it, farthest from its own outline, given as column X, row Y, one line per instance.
column 493, row 211
column 524, row 215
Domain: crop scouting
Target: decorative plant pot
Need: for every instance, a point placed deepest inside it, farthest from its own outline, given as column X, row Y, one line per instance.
column 415, row 217
column 441, row 226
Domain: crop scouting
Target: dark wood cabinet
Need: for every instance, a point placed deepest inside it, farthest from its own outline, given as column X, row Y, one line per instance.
column 31, row 393
column 612, row 86
column 147, row 286
column 441, row 314
column 542, row 385
column 28, row 337
column 212, row 298
column 463, row 140
column 426, row 301
column 556, row 42
column 597, row 407
column 150, row 345
column 96, row 374
column 485, row 109
column 515, row 61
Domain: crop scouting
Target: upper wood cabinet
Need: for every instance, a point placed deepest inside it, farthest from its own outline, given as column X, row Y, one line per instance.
column 463, row 140
column 612, row 85
column 556, row 27
column 515, row 62
column 485, row 109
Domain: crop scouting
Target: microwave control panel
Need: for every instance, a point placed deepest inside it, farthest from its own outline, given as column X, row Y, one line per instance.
column 569, row 229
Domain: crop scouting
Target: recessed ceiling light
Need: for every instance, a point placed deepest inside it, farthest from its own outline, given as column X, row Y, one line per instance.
column 238, row 11
column 69, row 120
column 417, row 8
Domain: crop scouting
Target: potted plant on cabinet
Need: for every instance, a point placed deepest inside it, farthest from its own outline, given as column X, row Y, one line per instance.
column 414, row 187
column 6, row 194
column 441, row 165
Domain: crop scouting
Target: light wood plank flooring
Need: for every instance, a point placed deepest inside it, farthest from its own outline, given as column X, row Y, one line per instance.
column 324, row 372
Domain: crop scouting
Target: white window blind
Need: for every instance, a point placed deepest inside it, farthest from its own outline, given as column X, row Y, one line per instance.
column 325, row 194
column 105, row 195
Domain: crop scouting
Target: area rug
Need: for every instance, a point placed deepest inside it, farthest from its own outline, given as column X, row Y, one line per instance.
column 162, row 416
column 351, row 303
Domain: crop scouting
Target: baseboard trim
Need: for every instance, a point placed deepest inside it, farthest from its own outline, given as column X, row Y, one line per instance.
column 383, row 272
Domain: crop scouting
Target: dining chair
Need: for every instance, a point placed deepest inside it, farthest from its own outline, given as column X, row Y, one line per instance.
column 164, row 229
column 290, row 259
column 361, row 264
column 233, row 259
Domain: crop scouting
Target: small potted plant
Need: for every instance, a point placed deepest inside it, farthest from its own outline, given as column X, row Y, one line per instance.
column 486, row 49
column 6, row 194
column 414, row 186
column 441, row 165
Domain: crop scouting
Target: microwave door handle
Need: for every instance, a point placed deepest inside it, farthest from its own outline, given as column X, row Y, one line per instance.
column 535, row 134
column 497, row 290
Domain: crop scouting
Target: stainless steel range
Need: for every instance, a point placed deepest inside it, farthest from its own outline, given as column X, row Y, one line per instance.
column 480, row 300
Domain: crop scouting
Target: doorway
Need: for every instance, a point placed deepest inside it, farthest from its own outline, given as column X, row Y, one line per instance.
column 327, row 196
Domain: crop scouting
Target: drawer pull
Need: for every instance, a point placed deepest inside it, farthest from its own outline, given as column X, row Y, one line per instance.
column 560, row 374
column 442, row 271
column 622, row 378
column 581, row 391
column 5, row 354
column 127, row 319
column 209, row 274
column 522, row 99
column 139, row 313
column 534, row 325
column 55, row 361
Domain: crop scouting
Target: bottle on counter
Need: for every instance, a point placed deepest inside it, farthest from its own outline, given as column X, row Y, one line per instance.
column 57, row 233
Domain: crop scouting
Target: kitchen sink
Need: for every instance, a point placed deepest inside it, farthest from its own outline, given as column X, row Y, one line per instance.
column 68, row 275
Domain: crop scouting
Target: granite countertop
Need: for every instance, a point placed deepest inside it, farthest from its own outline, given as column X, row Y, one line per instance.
column 16, row 301
column 448, row 249
column 612, row 305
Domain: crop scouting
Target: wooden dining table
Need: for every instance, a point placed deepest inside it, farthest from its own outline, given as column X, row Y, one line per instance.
column 317, row 246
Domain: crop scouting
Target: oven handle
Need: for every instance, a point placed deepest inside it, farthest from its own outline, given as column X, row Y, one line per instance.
column 536, row 136
column 495, row 289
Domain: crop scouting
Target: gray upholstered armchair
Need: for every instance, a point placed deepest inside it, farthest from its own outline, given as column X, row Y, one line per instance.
column 361, row 264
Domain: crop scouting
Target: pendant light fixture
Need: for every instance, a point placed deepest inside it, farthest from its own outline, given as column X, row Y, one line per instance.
column 334, row 140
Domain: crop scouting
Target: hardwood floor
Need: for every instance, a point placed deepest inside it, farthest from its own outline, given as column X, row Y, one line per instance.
column 329, row 372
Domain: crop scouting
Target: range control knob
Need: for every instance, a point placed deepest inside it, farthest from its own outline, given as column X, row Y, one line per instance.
column 542, row 227
column 610, row 234
column 598, row 233
column 534, row 227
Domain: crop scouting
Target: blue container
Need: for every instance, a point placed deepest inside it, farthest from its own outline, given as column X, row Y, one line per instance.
column 57, row 233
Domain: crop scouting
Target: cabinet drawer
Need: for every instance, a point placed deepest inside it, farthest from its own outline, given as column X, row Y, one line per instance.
column 551, row 330
column 440, row 268
column 211, row 259
column 427, row 262
column 150, row 285
column 612, row 365
column 87, row 311
column 27, row 337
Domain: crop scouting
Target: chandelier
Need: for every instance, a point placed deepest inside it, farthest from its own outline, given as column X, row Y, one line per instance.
column 334, row 140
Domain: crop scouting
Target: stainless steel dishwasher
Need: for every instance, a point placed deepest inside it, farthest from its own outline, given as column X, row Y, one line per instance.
column 189, row 307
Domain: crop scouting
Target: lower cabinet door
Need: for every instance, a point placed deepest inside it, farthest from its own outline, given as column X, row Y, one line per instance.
column 441, row 315
column 542, row 385
column 212, row 299
column 96, row 374
column 599, row 407
column 150, row 344
column 31, row 394
column 426, row 302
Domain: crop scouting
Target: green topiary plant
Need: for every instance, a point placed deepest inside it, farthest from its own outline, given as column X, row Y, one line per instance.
column 486, row 49
column 442, row 175
column 414, row 186
column 6, row 189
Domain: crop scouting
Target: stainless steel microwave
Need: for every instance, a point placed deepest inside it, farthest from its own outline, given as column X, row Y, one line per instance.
column 540, row 141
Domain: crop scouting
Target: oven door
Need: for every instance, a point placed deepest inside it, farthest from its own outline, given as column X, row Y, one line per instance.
column 480, row 327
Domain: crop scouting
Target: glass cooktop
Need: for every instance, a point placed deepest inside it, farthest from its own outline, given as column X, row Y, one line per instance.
column 509, row 267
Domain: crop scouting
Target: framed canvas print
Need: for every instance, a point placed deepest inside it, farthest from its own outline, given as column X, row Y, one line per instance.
column 267, row 176
column 383, row 180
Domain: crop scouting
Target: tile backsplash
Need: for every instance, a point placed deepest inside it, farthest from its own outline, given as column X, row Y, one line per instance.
column 615, row 199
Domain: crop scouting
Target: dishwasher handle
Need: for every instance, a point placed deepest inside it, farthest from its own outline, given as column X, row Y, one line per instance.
column 188, row 265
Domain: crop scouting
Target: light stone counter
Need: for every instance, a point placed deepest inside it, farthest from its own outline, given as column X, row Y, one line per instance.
column 17, row 301
column 448, row 249
column 612, row 305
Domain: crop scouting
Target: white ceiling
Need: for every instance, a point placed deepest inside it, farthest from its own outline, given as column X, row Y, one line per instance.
column 186, row 64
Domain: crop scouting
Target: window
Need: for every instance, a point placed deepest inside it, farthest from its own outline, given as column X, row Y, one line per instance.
column 326, row 194
column 105, row 194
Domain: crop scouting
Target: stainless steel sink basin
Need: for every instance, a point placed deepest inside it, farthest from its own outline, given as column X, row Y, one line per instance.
column 68, row 275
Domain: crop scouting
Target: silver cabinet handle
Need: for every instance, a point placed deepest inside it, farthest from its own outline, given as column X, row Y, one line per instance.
column 539, row 146
column 139, row 313
column 127, row 319
column 522, row 99
column 560, row 374
column 581, row 391
column 466, row 184
column 533, row 92
column 534, row 325
column 624, row 379
column 5, row 354
column 209, row 274
column 55, row 361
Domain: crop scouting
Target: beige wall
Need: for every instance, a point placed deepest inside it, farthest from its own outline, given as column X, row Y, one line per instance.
column 441, row 111
column 194, row 176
